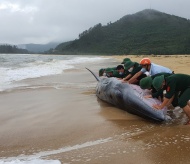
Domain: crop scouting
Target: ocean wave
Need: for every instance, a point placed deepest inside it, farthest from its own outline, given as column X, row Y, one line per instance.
column 34, row 161
column 36, row 158
column 22, row 67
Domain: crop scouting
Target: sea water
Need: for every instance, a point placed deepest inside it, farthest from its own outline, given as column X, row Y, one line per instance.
column 37, row 158
column 17, row 67
column 35, row 161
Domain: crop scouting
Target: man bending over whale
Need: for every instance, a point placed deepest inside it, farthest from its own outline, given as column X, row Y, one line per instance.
column 172, row 84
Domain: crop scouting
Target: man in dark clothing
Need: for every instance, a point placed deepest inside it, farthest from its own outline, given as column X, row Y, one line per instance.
column 122, row 73
column 125, row 60
column 146, row 83
column 133, row 68
column 172, row 84
column 109, row 72
column 101, row 72
column 105, row 71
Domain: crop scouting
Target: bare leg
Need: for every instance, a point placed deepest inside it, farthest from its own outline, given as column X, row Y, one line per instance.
column 187, row 111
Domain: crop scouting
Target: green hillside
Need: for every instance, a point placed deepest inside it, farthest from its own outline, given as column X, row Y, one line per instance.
column 12, row 49
column 145, row 32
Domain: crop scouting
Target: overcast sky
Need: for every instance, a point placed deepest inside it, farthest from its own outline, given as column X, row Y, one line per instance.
column 43, row 21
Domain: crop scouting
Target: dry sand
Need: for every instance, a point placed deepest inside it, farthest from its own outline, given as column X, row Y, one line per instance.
column 87, row 129
column 177, row 63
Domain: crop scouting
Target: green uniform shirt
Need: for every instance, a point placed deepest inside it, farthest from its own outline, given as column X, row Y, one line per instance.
column 109, row 71
column 137, row 68
column 110, row 68
column 159, row 74
column 159, row 93
column 175, row 83
column 116, row 74
column 126, row 73
column 114, row 68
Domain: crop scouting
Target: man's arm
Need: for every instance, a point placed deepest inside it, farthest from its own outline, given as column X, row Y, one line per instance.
column 133, row 79
column 126, row 78
column 164, row 103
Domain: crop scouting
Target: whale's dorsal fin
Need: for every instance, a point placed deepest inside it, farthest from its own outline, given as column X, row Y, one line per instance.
column 97, row 78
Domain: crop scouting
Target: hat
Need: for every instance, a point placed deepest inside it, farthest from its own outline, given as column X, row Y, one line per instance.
column 125, row 60
column 115, row 73
column 145, row 83
column 145, row 61
column 128, row 64
column 157, row 82
column 113, row 68
column 108, row 70
column 101, row 71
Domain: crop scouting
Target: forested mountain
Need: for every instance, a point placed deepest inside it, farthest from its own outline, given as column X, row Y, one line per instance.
column 145, row 32
column 12, row 49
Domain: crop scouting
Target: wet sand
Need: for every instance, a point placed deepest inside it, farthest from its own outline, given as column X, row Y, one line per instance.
column 69, row 123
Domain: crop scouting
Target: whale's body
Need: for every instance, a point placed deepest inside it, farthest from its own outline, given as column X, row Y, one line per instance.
column 129, row 98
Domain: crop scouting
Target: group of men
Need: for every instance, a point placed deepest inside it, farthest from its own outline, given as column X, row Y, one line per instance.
column 158, row 79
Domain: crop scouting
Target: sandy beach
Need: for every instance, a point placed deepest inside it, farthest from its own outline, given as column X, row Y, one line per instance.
column 70, row 124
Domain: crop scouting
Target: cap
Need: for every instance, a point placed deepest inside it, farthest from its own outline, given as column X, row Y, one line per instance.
column 157, row 82
column 128, row 64
column 145, row 83
column 101, row 71
column 125, row 60
column 115, row 73
column 108, row 70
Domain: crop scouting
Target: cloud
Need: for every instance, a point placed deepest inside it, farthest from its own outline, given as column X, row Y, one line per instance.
column 43, row 21
column 13, row 7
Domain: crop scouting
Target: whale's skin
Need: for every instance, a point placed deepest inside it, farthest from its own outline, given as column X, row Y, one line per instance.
column 129, row 98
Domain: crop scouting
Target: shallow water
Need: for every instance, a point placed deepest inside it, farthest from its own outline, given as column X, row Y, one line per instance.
column 59, row 119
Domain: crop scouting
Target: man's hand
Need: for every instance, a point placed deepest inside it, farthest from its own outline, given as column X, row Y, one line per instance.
column 148, row 96
column 156, row 106
column 124, row 81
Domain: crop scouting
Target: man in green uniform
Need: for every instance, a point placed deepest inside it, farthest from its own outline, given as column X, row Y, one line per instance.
column 125, row 60
column 146, row 83
column 121, row 72
column 133, row 68
column 117, row 72
column 172, row 84
column 103, row 71
column 109, row 72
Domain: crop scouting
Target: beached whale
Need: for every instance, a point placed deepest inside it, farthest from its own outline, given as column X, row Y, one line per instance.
column 128, row 97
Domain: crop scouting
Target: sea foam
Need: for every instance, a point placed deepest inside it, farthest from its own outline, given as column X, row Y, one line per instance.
column 36, row 158
column 20, row 67
column 35, row 161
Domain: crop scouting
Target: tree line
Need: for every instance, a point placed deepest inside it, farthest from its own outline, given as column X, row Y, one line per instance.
column 12, row 49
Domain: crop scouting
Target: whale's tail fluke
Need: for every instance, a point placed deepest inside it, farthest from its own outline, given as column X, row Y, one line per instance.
column 97, row 78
